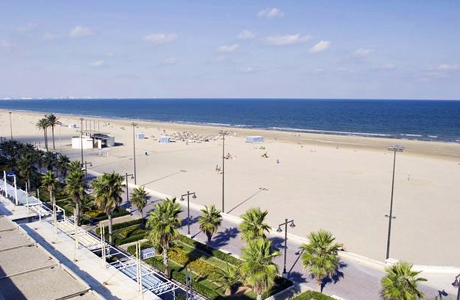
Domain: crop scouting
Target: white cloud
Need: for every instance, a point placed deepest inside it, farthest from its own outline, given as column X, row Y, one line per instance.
column 284, row 40
column 270, row 13
column 169, row 61
column 97, row 64
column 49, row 37
column 29, row 27
column 5, row 44
column 250, row 70
column 320, row 47
column 228, row 48
column 362, row 52
column 246, row 35
column 80, row 31
column 448, row 67
column 387, row 66
column 160, row 38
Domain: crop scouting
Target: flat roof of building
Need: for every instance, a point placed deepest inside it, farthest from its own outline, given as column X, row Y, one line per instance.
column 27, row 271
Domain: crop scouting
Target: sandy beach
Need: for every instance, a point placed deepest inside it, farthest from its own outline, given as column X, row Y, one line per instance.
column 338, row 183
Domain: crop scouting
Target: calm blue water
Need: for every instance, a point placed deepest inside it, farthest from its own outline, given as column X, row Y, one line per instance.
column 421, row 120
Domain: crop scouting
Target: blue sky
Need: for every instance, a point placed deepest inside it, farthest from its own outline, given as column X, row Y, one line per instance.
column 231, row 49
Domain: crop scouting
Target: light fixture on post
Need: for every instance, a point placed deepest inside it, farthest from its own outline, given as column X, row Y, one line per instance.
column 292, row 225
column 193, row 194
column 86, row 164
column 81, row 140
column 11, row 127
column 128, row 204
column 223, row 133
column 134, row 150
column 394, row 148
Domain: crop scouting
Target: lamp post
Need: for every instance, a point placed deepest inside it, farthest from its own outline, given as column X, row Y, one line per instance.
column 128, row 205
column 188, row 207
column 86, row 163
column 456, row 283
column 394, row 148
column 286, row 222
column 224, row 133
column 81, row 140
column 11, row 128
column 134, row 150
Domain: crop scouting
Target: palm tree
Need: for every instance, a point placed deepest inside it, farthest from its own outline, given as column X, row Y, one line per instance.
column 50, row 182
column 63, row 165
column 320, row 255
column 75, row 188
column 43, row 124
column 139, row 197
column 253, row 226
column 26, row 169
column 49, row 161
column 163, row 222
column 210, row 221
column 400, row 283
column 228, row 278
column 52, row 122
column 107, row 194
column 74, row 166
column 258, row 268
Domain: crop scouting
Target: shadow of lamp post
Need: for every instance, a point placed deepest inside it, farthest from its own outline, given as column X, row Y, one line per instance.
column 188, row 207
column 286, row 222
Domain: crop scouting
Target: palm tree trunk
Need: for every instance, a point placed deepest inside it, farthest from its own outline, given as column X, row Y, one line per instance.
column 110, row 228
column 46, row 139
column 52, row 131
column 77, row 206
column 165, row 260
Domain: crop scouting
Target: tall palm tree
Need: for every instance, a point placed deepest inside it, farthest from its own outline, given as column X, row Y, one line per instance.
column 75, row 188
column 107, row 194
column 50, row 182
column 63, row 165
column 43, row 124
column 49, row 161
column 210, row 221
column 163, row 222
column 253, row 226
column 52, row 122
column 258, row 268
column 26, row 168
column 139, row 197
column 228, row 278
column 320, row 255
column 400, row 283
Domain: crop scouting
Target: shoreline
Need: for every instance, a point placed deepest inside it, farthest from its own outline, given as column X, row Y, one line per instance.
column 338, row 183
column 448, row 149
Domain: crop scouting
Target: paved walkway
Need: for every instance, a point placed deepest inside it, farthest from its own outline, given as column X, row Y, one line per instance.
column 357, row 279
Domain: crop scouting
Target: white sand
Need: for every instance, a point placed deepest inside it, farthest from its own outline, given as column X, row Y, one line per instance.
column 345, row 190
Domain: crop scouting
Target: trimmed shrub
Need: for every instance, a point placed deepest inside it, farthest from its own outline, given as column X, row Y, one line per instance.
column 312, row 295
column 121, row 225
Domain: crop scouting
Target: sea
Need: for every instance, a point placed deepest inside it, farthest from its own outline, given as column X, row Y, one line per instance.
column 428, row 120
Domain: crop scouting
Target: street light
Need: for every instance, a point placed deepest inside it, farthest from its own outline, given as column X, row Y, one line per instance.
column 134, row 150
column 127, row 189
column 224, row 133
column 188, row 207
column 81, row 140
column 456, row 283
column 11, row 128
column 286, row 222
column 86, row 163
column 394, row 148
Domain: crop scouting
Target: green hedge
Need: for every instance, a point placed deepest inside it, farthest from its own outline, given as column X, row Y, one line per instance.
column 210, row 250
column 121, row 225
column 129, row 239
column 312, row 295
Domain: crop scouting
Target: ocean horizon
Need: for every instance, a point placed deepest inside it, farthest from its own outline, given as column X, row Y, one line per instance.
column 428, row 120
